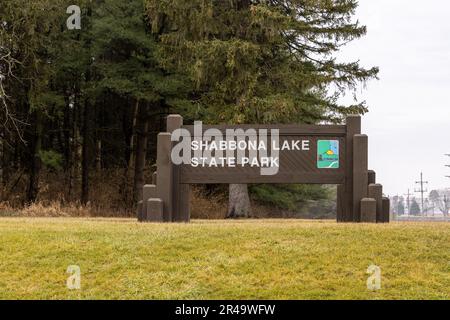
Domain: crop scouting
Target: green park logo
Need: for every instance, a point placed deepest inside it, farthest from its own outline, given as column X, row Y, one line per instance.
column 328, row 154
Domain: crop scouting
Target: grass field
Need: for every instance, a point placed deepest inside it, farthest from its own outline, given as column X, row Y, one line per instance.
column 258, row 259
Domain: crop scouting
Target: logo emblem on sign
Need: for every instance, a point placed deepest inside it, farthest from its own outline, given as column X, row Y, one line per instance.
column 328, row 154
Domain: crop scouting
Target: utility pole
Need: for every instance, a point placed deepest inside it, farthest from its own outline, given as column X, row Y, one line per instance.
column 421, row 189
column 407, row 199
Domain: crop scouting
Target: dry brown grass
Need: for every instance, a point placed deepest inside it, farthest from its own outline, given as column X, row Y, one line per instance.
column 50, row 209
column 204, row 207
column 55, row 209
column 111, row 196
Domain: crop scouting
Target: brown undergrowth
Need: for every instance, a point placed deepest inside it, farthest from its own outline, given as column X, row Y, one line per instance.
column 111, row 196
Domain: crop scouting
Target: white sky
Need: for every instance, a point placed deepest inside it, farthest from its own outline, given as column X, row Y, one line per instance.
column 408, row 123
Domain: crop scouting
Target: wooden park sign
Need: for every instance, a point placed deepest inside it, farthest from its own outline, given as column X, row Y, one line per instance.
column 304, row 154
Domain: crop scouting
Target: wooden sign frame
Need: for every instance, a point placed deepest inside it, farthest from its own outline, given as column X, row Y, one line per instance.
column 167, row 198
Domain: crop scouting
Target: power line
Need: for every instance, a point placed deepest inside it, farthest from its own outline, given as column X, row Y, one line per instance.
column 421, row 190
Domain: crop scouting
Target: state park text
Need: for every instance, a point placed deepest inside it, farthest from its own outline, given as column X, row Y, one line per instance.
column 238, row 147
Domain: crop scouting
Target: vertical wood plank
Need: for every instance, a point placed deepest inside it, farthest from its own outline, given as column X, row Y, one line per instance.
column 368, row 210
column 174, row 121
column 360, row 173
column 165, row 175
column 372, row 177
column 386, row 205
column 149, row 191
column 376, row 192
column 181, row 192
column 340, row 201
column 155, row 208
column 353, row 127
column 184, row 203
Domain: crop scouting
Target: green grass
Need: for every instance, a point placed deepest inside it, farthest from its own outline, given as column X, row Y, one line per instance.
column 259, row 259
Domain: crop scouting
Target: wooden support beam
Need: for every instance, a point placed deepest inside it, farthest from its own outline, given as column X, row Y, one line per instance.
column 155, row 178
column 340, row 203
column 376, row 192
column 360, row 174
column 181, row 192
column 165, row 175
column 353, row 127
column 174, row 121
column 372, row 177
column 155, row 209
column 368, row 210
column 386, row 209
column 149, row 191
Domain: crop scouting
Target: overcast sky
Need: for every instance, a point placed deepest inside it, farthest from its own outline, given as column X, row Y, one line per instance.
column 408, row 123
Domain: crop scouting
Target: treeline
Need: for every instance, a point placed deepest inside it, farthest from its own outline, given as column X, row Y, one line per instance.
column 74, row 103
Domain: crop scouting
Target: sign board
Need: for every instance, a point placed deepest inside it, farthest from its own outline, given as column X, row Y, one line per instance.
column 241, row 154
column 294, row 151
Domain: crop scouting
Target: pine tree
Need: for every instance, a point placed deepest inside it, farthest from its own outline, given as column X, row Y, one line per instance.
column 261, row 61
column 73, row 88
column 126, row 66
column 28, row 31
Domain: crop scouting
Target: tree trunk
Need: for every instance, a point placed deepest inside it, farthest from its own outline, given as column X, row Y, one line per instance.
column 66, row 136
column 98, row 157
column 127, row 190
column 35, row 165
column 67, row 148
column 85, row 158
column 85, row 162
column 132, row 158
column 75, row 151
column 2, row 164
column 238, row 201
column 2, row 150
column 140, row 152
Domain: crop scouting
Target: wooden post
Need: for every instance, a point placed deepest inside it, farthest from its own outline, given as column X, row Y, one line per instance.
column 155, row 208
column 184, row 203
column 376, row 192
column 340, row 202
column 174, row 121
column 353, row 126
column 372, row 177
column 149, row 191
column 386, row 205
column 360, row 173
column 165, row 175
column 181, row 192
column 368, row 210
